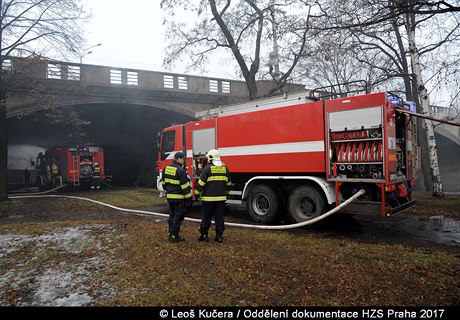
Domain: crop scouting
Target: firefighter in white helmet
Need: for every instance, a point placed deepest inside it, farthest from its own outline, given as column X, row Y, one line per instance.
column 213, row 186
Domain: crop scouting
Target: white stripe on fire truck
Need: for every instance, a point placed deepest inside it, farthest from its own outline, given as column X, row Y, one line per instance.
column 291, row 147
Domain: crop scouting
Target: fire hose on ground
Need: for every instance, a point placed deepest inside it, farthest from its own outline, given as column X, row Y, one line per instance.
column 231, row 224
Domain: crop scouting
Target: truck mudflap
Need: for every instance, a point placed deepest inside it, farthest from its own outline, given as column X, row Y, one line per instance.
column 400, row 208
column 375, row 208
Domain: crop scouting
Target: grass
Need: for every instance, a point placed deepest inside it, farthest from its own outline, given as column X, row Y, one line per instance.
column 251, row 268
column 448, row 206
column 68, row 207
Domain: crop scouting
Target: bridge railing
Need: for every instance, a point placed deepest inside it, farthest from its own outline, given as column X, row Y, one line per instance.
column 125, row 77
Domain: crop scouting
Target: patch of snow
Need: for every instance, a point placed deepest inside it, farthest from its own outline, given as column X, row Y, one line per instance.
column 52, row 283
column 55, row 289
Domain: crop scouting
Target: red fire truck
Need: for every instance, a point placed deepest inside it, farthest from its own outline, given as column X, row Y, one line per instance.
column 300, row 155
column 70, row 166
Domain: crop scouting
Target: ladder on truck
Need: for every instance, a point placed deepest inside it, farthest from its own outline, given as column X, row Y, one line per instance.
column 76, row 170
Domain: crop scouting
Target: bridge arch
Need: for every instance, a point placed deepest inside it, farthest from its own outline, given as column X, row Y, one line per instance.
column 69, row 83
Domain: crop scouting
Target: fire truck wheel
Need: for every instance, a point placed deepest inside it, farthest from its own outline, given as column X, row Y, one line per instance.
column 305, row 203
column 263, row 204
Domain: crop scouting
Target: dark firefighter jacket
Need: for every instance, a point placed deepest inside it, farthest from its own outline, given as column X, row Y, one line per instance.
column 214, row 183
column 175, row 182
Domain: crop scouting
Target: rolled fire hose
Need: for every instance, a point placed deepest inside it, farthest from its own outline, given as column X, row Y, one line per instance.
column 231, row 224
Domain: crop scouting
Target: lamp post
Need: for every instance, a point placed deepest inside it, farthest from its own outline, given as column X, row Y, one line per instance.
column 87, row 51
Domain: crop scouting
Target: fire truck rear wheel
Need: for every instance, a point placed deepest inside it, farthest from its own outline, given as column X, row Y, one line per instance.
column 305, row 203
column 263, row 204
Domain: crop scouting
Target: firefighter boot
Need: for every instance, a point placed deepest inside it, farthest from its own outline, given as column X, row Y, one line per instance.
column 204, row 236
column 218, row 237
column 174, row 238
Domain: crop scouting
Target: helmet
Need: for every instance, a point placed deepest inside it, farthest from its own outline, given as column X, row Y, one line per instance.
column 213, row 155
column 178, row 155
column 96, row 164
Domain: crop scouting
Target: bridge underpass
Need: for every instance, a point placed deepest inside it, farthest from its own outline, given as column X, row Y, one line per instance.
column 126, row 108
column 126, row 132
column 448, row 143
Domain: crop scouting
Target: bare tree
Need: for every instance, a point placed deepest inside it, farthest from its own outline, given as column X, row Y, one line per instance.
column 334, row 63
column 411, row 24
column 246, row 29
column 402, row 39
column 29, row 28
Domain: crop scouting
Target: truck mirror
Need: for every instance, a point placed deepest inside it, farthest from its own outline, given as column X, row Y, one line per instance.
column 158, row 140
column 32, row 163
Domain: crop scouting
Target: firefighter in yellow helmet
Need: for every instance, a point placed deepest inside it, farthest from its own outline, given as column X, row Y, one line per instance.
column 213, row 186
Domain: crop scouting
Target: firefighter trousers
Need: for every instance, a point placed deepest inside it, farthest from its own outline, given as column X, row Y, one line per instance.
column 176, row 215
column 210, row 209
column 95, row 183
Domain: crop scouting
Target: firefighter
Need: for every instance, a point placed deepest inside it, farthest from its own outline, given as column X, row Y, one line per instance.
column 176, row 184
column 213, row 186
column 54, row 168
column 26, row 175
column 108, row 175
column 55, row 174
column 96, row 178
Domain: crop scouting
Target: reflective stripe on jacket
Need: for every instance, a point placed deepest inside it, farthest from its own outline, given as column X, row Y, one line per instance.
column 96, row 172
column 175, row 182
column 214, row 183
column 54, row 169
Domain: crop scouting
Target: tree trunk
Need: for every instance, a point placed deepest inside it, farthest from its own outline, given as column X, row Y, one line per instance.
column 424, row 106
column 3, row 130
column 251, row 84
column 424, row 175
column 3, row 152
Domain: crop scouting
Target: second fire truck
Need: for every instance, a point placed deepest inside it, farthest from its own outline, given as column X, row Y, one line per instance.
column 70, row 166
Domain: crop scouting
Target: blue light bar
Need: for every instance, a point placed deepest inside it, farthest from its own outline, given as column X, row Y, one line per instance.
column 394, row 99
column 411, row 105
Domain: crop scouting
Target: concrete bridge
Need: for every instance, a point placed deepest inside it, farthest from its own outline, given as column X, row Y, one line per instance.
column 449, row 131
column 39, row 84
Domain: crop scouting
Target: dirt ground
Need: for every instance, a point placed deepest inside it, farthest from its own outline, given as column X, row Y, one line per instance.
column 68, row 252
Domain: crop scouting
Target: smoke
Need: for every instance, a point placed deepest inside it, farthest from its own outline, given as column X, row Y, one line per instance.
column 21, row 156
column 126, row 132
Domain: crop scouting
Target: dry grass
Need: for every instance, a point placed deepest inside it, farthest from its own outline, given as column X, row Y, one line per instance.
column 448, row 206
column 261, row 268
column 251, row 268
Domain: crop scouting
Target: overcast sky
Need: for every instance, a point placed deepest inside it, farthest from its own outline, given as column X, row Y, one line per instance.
column 132, row 36
column 131, row 33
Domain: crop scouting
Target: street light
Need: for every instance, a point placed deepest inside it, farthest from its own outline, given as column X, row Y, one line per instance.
column 87, row 51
